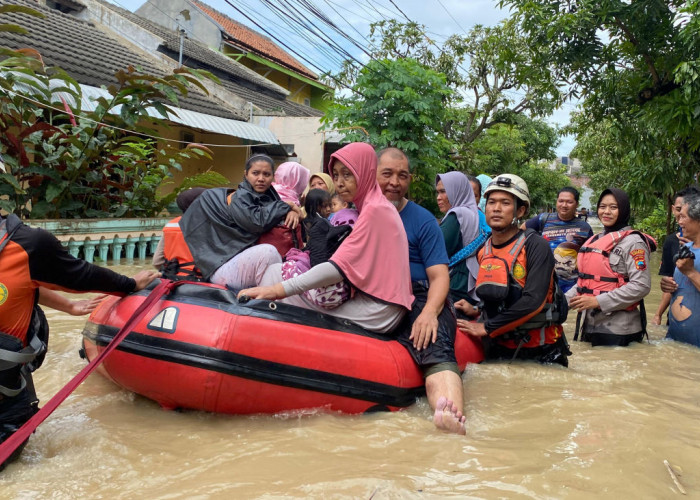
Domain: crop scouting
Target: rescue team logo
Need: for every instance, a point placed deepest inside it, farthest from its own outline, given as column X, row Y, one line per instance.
column 3, row 293
column 639, row 259
column 490, row 267
column 518, row 271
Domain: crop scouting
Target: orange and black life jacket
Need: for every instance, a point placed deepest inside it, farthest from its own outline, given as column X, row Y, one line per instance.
column 500, row 282
column 179, row 263
column 19, row 354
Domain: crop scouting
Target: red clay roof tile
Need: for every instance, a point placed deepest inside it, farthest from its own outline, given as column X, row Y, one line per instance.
column 261, row 45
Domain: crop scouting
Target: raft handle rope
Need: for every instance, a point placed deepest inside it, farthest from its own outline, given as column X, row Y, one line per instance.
column 8, row 447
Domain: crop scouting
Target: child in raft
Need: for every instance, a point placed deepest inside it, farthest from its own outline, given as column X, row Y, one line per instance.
column 343, row 210
column 322, row 240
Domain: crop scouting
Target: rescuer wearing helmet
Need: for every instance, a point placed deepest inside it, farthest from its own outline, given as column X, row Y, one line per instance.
column 523, row 307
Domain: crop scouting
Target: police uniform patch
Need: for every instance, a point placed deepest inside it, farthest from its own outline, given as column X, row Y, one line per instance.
column 3, row 294
column 518, row 271
column 639, row 259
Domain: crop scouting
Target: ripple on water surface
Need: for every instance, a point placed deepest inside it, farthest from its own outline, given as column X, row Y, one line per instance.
column 601, row 428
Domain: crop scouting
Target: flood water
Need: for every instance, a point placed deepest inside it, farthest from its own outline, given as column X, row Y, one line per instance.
column 601, row 428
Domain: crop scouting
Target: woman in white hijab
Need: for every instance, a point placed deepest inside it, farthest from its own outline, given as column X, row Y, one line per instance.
column 460, row 228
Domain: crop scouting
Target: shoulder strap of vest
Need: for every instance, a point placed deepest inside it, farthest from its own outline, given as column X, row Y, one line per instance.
column 648, row 240
column 5, row 235
column 514, row 250
column 586, row 248
column 518, row 246
column 488, row 247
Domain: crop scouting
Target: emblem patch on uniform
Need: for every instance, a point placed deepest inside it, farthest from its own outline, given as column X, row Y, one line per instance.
column 639, row 259
column 490, row 267
column 3, row 293
column 518, row 271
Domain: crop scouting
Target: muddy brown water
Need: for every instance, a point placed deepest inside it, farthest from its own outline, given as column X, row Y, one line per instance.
column 601, row 428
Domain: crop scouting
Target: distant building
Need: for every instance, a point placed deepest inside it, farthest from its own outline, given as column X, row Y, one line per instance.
column 573, row 165
column 294, row 117
column 574, row 170
column 67, row 37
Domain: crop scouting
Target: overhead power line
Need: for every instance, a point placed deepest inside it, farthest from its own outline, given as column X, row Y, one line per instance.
column 292, row 51
column 451, row 16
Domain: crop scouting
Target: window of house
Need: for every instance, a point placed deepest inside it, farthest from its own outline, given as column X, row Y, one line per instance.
column 186, row 138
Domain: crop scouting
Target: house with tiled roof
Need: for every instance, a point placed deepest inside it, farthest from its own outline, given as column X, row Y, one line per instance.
column 92, row 54
column 267, row 98
column 247, row 46
column 191, row 37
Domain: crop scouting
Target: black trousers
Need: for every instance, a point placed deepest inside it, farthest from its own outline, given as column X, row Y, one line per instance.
column 557, row 353
column 611, row 339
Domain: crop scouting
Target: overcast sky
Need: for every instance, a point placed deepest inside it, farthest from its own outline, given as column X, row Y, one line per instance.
column 442, row 18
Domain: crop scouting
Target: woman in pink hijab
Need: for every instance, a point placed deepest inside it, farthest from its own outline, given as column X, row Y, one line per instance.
column 291, row 179
column 373, row 259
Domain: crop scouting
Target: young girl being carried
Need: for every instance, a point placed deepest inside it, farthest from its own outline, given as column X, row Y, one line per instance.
column 322, row 240
column 342, row 212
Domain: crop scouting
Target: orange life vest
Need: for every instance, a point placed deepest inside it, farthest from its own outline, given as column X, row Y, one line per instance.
column 179, row 262
column 596, row 275
column 500, row 282
column 24, row 330
column 18, row 293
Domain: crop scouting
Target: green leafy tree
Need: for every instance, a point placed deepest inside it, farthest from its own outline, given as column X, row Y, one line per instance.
column 63, row 161
column 635, row 66
column 402, row 105
column 485, row 80
column 520, row 148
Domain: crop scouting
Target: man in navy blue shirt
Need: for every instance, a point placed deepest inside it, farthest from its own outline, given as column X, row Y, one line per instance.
column 429, row 332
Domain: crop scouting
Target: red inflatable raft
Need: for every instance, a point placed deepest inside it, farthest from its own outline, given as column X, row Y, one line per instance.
column 200, row 348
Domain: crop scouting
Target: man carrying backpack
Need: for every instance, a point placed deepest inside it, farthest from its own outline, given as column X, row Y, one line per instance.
column 566, row 232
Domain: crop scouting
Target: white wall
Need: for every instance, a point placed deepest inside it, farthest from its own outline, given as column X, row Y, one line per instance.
column 300, row 131
column 200, row 27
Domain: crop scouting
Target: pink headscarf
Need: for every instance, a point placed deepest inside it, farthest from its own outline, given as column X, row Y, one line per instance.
column 291, row 178
column 374, row 258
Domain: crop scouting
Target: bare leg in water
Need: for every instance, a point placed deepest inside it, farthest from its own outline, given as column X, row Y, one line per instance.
column 445, row 395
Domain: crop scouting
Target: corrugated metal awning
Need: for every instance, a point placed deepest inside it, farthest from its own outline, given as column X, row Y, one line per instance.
column 224, row 126
column 201, row 121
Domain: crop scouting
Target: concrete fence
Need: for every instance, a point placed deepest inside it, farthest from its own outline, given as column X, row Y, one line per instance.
column 108, row 240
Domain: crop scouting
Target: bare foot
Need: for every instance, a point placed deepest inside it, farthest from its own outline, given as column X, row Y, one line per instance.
column 449, row 418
